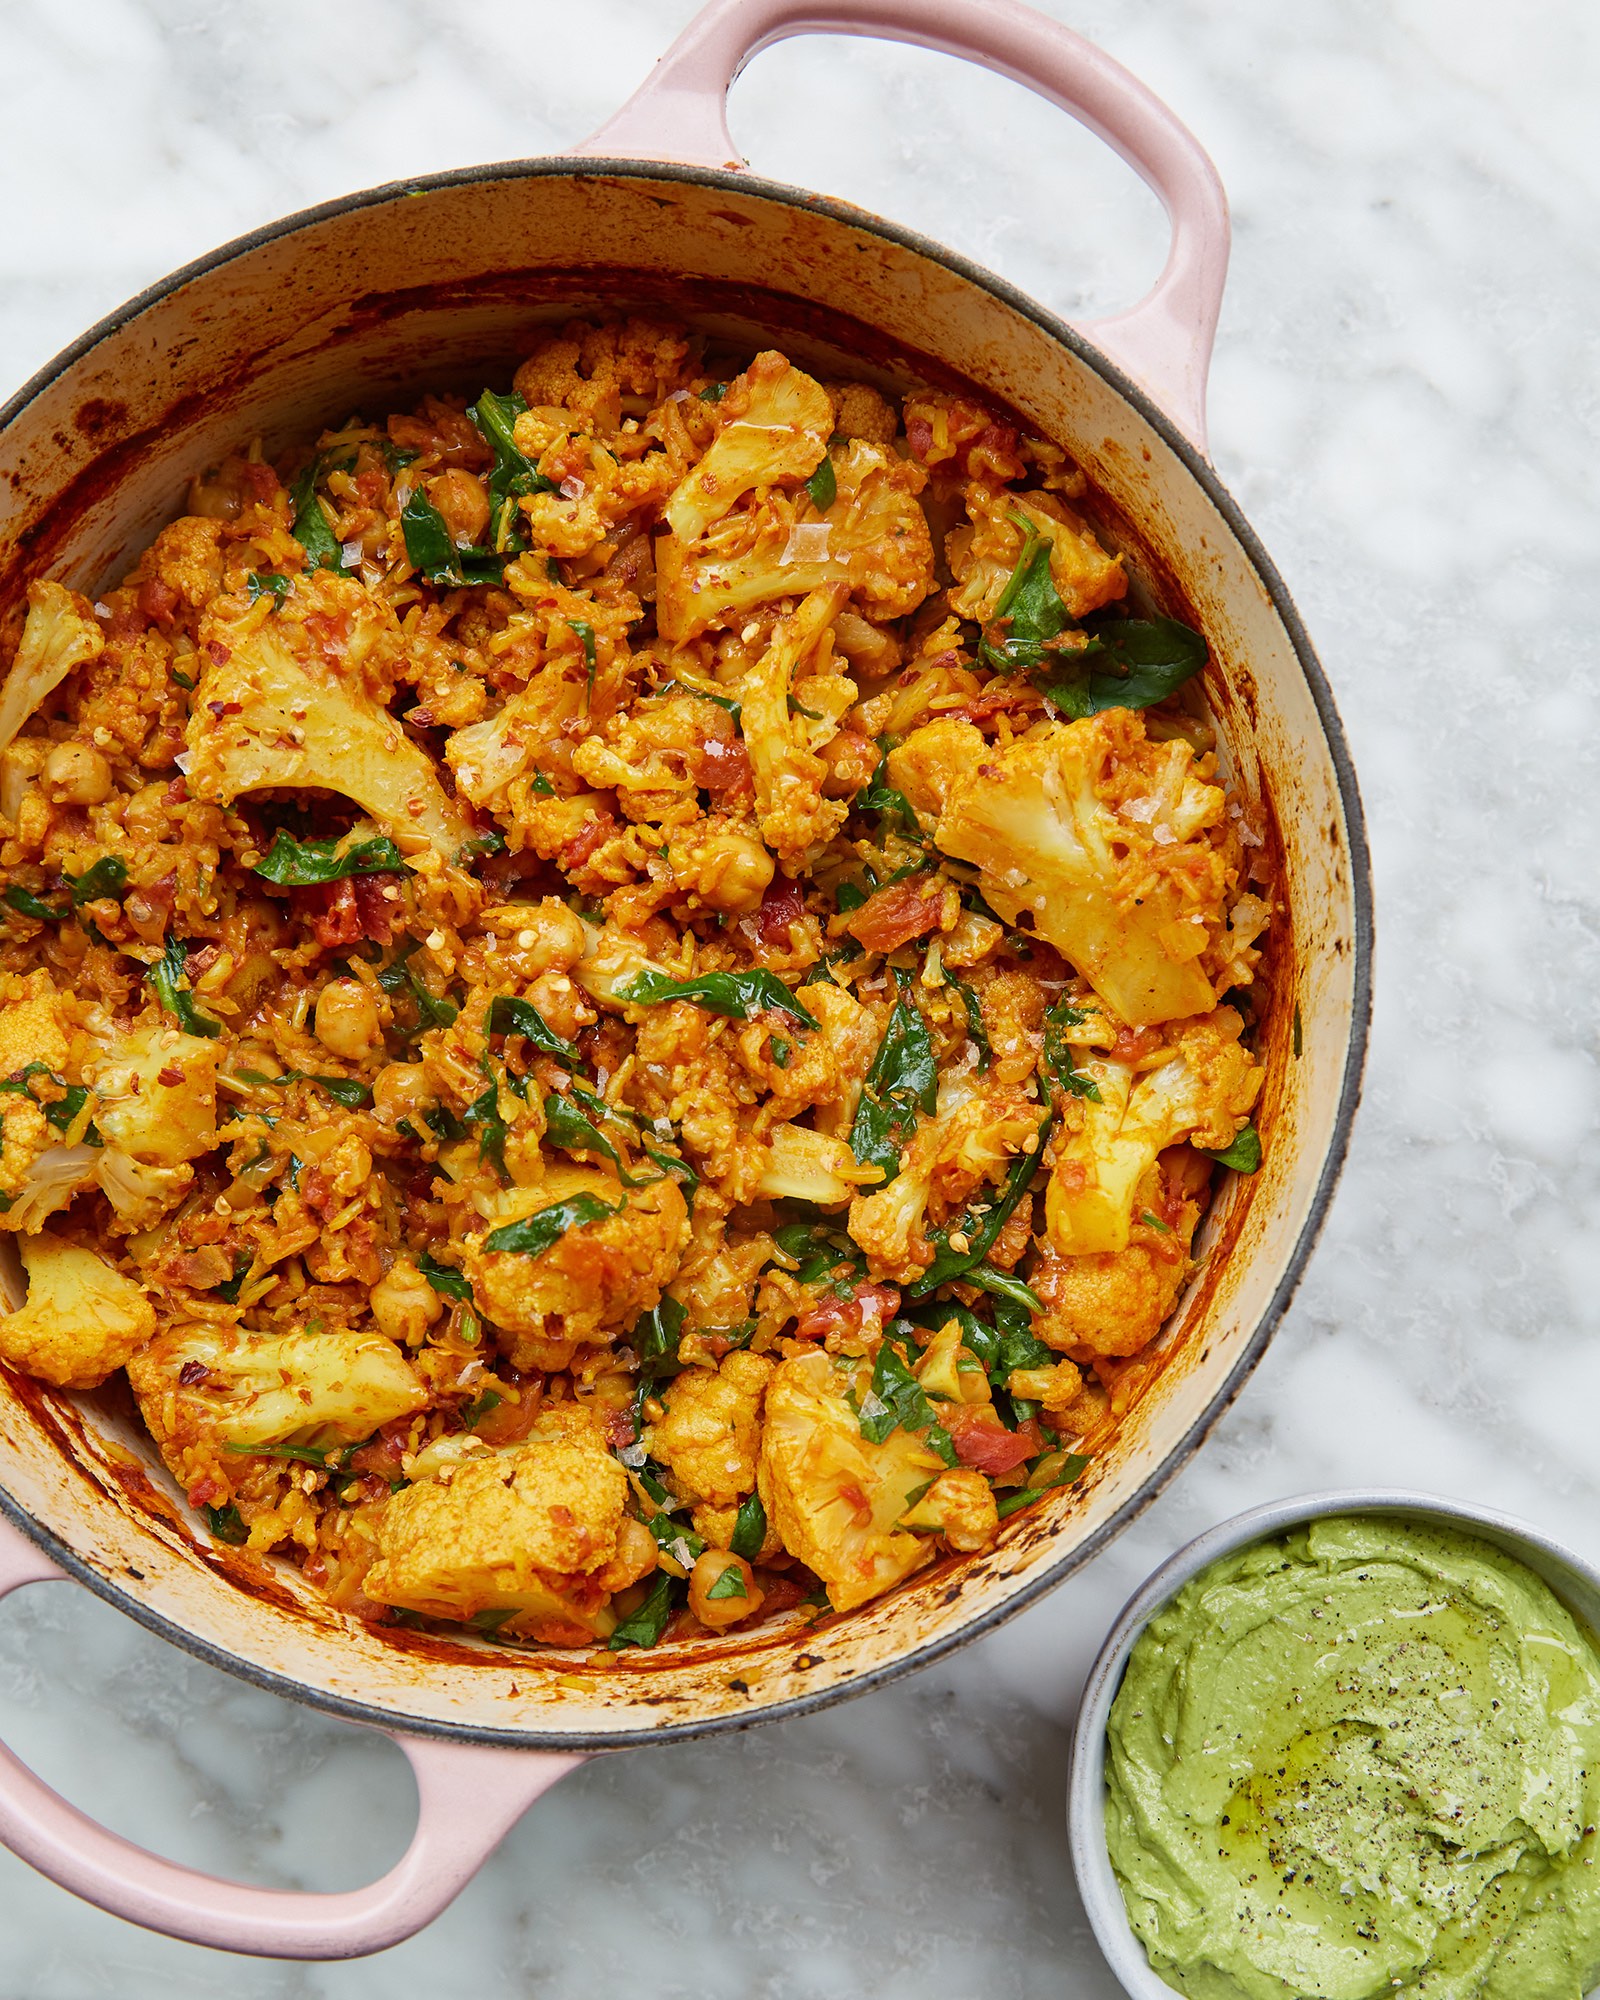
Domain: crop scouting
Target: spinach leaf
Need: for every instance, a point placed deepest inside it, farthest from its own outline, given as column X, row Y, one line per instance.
column 510, row 1016
column 168, row 980
column 1029, row 613
column 229, row 1292
column 896, row 1401
column 713, row 392
column 903, row 1079
column 227, row 1524
column 1008, row 1342
column 749, row 1528
column 1059, row 1057
column 311, row 529
column 975, row 1028
column 1004, row 1285
column 646, row 1625
column 449, row 1283
column 344, row 1089
column 739, row 995
column 535, row 1234
column 302, row 1454
column 585, row 632
column 729, row 1584
column 565, row 1126
column 703, row 694
column 302, row 864
column 397, row 977
column 61, row 1111
column 819, row 1251
column 979, row 1231
column 1243, row 1155
column 676, row 1538
column 431, row 550
column 259, row 586
column 1128, row 663
column 27, row 905
column 823, row 485
column 680, row 1170
column 1056, row 1468
column 880, row 796
column 483, row 1116
column 106, row 877
column 655, row 1339
column 514, row 472
column 473, row 1413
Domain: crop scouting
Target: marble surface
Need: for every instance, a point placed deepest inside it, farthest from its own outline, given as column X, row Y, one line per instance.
column 1405, row 403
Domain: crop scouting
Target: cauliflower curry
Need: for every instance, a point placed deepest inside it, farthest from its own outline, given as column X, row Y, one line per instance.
column 618, row 1001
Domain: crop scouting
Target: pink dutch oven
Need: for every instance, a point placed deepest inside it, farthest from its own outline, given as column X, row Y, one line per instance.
column 357, row 304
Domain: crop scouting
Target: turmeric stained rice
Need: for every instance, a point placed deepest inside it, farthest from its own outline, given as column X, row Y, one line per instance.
column 612, row 999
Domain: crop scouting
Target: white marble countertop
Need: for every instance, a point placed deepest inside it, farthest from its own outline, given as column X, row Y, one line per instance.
column 1405, row 403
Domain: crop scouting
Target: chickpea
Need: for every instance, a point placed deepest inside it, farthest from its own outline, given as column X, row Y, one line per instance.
column 731, row 872
column 548, row 937
column 735, row 1602
column 404, row 1304
column 562, row 1003
column 347, row 1019
column 633, row 1560
column 462, row 501
column 146, row 813
column 851, row 759
column 401, row 1090
column 75, row 774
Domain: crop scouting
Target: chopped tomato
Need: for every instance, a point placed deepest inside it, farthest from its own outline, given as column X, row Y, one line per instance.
column 982, row 1441
column 894, row 915
column 783, row 904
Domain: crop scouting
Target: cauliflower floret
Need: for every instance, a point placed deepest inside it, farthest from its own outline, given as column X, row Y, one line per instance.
column 773, row 424
column 36, row 1027
column 835, row 1497
column 288, row 702
column 960, row 1508
column 505, row 1530
column 984, row 555
column 600, row 1272
column 977, row 1130
column 589, row 369
column 874, row 540
column 859, row 411
column 158, row 1095
column 1202, row 1091
column 659, row 756
column 811, row 1166
column 709, row 1438
column 38, row 1175
column 83, row 1319
column 60, row 634
column 1107, row 844
column 203, row 1387
column 795, row 818
column 933, row 761
column 497, row 760
column 39, row 1172
column 157, row 1110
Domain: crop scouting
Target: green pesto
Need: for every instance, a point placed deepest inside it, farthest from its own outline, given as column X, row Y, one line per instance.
column 1361, row 1760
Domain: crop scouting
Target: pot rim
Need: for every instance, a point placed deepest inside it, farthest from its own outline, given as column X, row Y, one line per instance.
column 568, row 166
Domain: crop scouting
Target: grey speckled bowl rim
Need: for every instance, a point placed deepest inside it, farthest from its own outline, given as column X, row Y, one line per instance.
column 1201, row 471
column 1568, row 1574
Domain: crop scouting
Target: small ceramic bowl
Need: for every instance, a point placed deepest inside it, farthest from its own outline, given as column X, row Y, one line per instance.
column 1573, row 1579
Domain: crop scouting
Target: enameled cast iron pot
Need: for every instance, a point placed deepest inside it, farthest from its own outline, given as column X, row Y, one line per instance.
column 365, row 301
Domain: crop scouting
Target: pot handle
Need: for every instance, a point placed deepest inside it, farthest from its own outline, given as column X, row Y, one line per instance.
column 469, row 1797
column 1164, row 343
